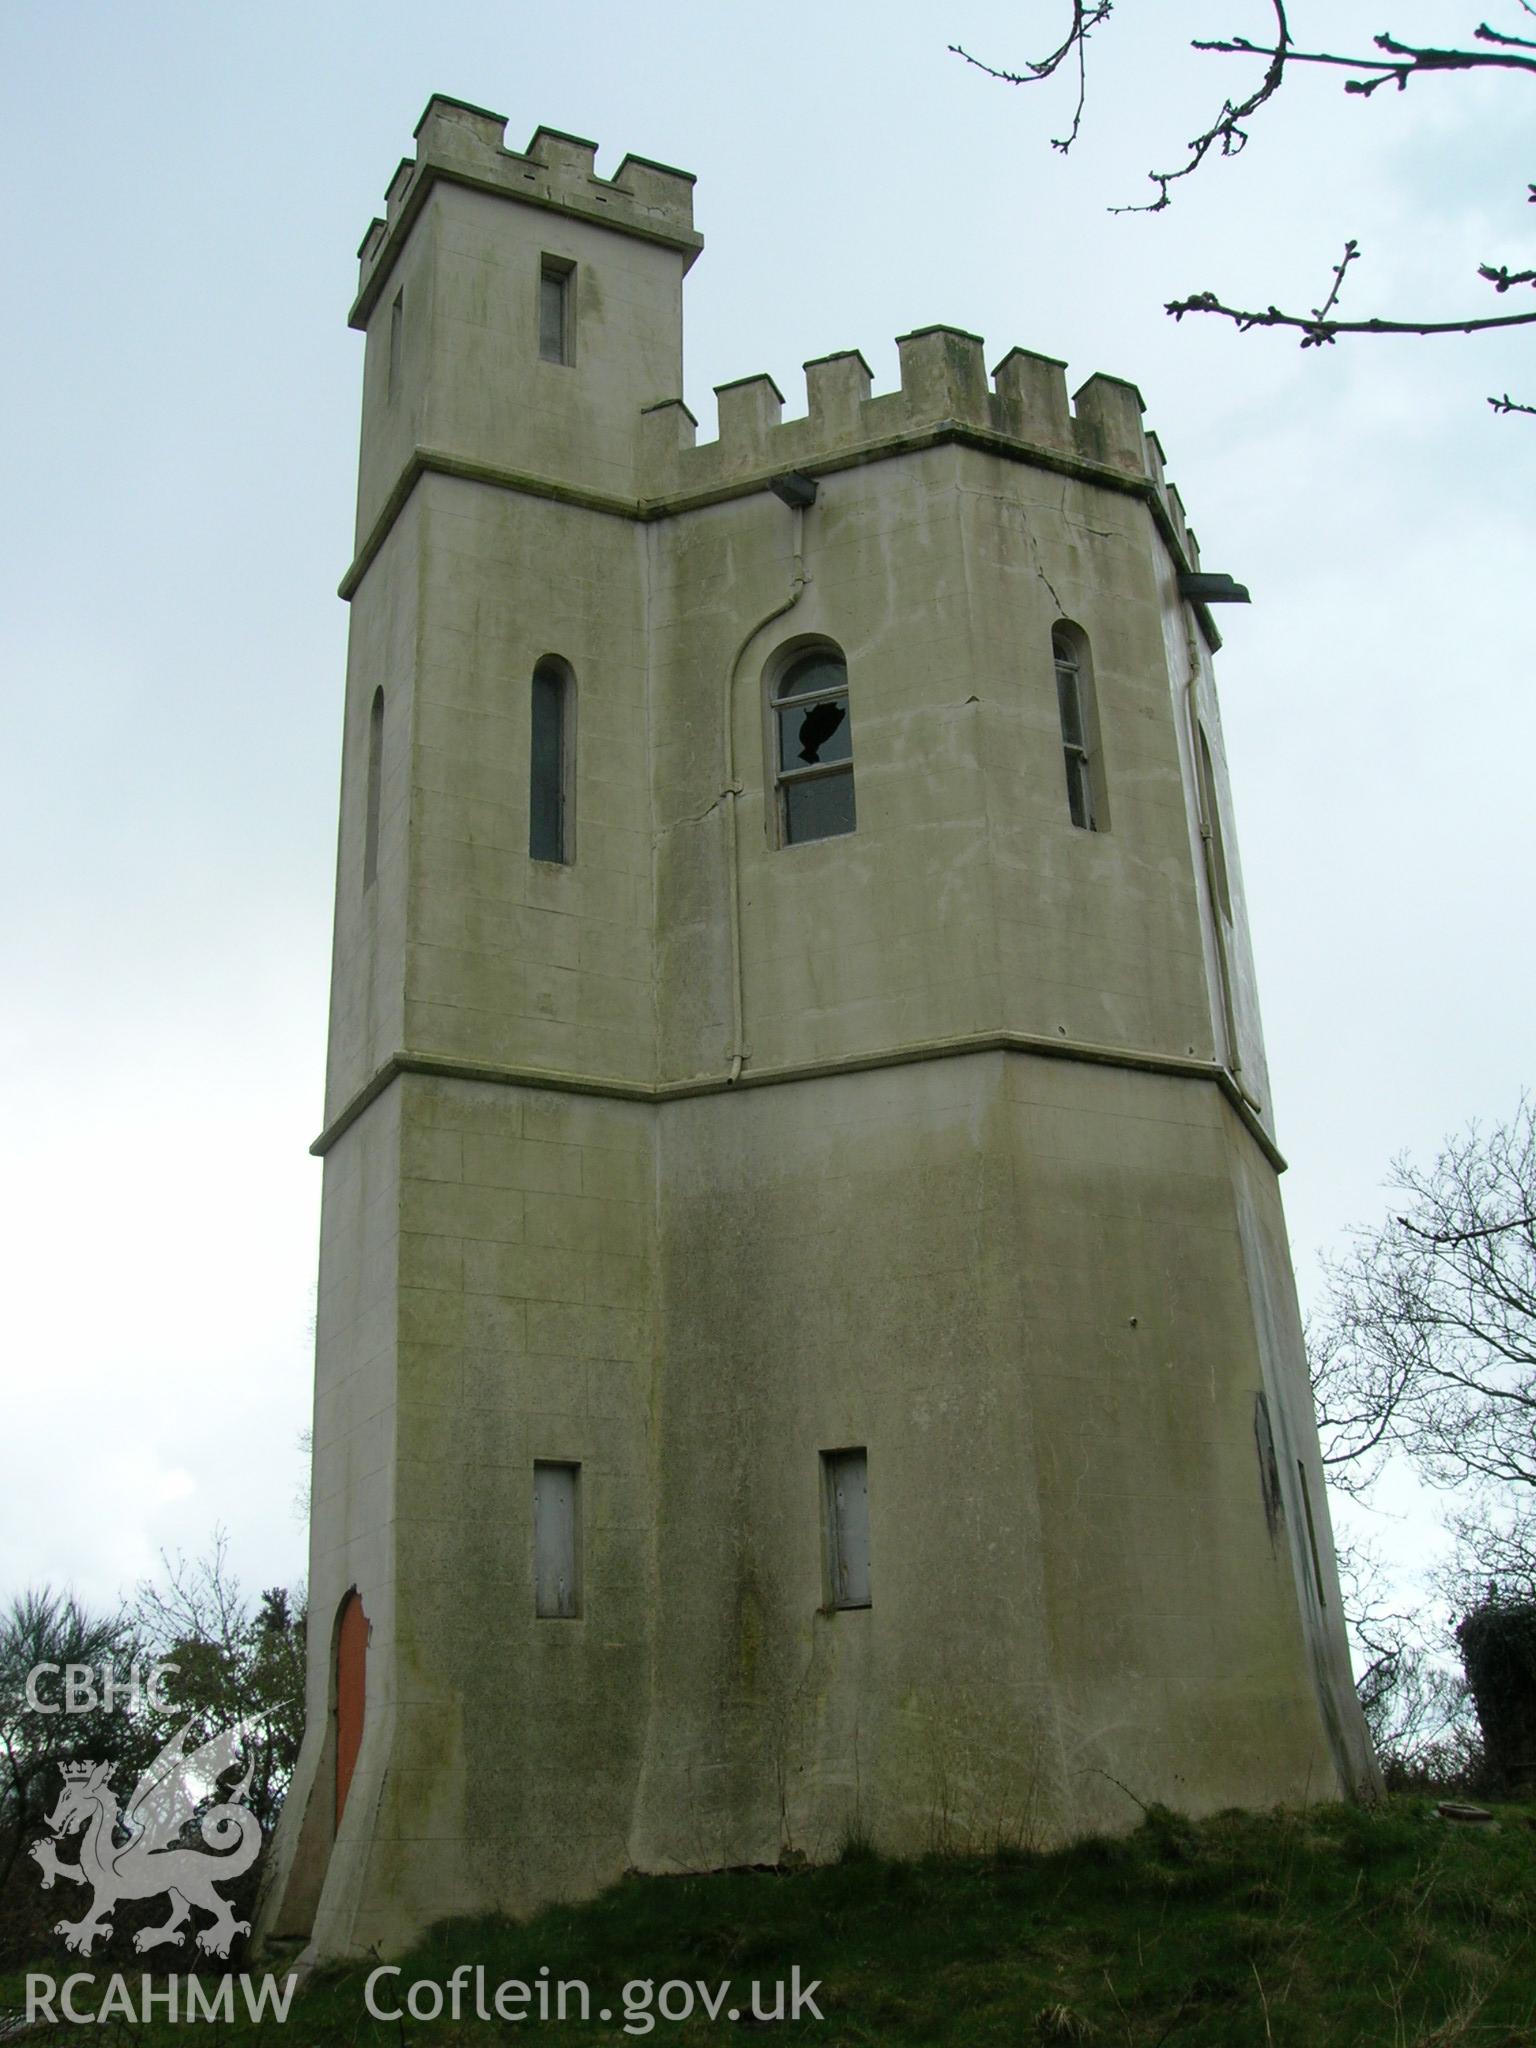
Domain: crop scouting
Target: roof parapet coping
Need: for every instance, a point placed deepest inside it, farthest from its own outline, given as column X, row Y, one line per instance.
column 1032, row 396
column 467, row 145
column 943, row 382
column 668, row 429
column 1107, row 414
column 835, row 387
column 750, row 408
column 1181, row 524
column 944, row 373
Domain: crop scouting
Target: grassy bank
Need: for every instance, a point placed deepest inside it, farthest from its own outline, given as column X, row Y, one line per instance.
column 1338, row 1926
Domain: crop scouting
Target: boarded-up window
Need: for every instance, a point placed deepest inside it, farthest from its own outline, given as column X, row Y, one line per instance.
column 845, row 1485
column 556, row 1541
column 557, row 279
column 351, row 1693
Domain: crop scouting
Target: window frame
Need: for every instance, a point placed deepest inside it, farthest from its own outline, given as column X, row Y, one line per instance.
column 395, row 356
column 1314, row 1549
column 559, row 271
column 568, row 1602
column 781, row 669
column 1210, row 796
column 373, row 792
column 1082, row 752
column 837, row 1557
column 554, row 666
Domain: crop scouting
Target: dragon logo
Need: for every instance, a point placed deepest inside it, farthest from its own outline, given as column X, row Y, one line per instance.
column 138, row 1854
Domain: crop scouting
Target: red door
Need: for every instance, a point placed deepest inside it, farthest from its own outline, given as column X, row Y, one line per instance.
column 351, row 1690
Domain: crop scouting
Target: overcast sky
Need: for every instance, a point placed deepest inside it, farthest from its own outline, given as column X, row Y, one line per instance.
column 187, row 187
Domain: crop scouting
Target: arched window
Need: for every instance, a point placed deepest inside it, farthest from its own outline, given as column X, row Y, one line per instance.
column 375, row 789
column 551, row 777
column 813, row 747
column 1086, row 801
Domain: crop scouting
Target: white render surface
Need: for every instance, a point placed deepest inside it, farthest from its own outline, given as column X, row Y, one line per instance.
column 699, row 1157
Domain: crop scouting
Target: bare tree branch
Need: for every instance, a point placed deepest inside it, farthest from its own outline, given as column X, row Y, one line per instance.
column 1404, row 61
column 1430, row 1341
column 1396, row 63
column 1227, row 128
column 1315, row 331
column 1086, row 16
column 1501, row 279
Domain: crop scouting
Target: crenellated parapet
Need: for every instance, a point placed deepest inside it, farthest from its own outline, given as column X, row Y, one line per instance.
column 1023, row 405
column 468, row 146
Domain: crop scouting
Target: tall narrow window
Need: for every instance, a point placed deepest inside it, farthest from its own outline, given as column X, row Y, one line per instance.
column 556, row 1541
column 396, row 340
column 351, row 1693
column 551, row 761
column 1306, row 1509
column 1214, row 838
column 557, row 324
column 813, row 747
column 845, row 1498
column 375, row 789
column 1075, row 707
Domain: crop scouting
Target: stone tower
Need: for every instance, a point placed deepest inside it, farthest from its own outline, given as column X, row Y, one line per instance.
column 807, row 1347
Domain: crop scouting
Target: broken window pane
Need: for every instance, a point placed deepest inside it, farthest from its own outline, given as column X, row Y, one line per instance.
column 815, row 733
column 813, row 740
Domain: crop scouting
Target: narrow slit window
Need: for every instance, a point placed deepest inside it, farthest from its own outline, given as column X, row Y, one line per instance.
column 845, row 1495
column 375, row 789
column 1306, row 1509
column 1213, row 832
column 551, row 762
column 556, row 1541
column 396, row 341
column 1269, row 1465
column 1074, row 704
column 813, row 748
column 557, row 336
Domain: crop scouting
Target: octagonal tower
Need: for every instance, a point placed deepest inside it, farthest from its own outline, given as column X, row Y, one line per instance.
column 807, row 1347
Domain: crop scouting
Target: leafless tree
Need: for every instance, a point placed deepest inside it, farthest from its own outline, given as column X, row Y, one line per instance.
column 234, row 1663
column 1429, row 1345
column 1412, row 1693
column 1394, row 62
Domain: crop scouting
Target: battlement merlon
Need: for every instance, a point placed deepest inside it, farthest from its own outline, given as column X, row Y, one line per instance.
column 467, row 145
column 1023, row 410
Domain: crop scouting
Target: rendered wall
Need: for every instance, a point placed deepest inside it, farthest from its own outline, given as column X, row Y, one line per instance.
column 994, row 1195
column 1020, row 1283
